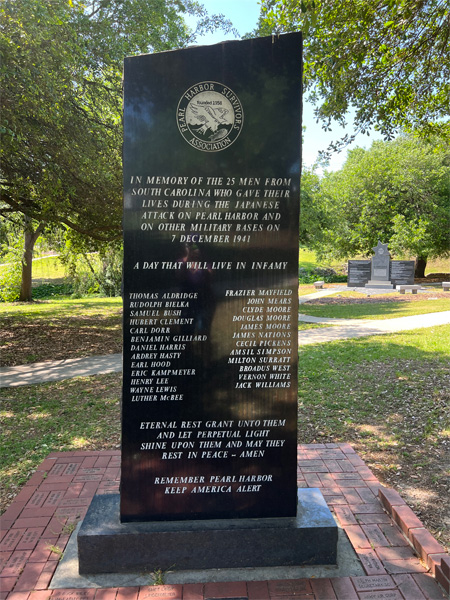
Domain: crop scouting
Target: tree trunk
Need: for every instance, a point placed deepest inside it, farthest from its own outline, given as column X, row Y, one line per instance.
column 420, row 266
column 31, row 237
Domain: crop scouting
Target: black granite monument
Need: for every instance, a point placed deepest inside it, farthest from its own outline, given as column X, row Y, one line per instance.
column 212, row 155
column 211, row 176
column 358, row 273
column 402, row 272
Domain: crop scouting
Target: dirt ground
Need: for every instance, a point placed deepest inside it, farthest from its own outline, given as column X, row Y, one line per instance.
column 29, row 341
column 382, row 298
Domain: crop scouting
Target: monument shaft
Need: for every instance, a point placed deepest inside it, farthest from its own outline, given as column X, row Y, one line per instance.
column 212, row 154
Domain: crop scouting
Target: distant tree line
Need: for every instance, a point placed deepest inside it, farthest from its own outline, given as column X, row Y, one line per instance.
column 397, row 192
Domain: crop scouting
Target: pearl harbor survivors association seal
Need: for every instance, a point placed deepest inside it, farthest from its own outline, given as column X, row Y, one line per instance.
column 210, row 116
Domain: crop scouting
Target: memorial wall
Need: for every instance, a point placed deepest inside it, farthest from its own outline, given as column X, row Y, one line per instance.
column 212, row 160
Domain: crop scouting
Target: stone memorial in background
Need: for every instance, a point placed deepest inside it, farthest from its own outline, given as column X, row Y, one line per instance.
column 402, row 272
column 380, row 271
column 212, row 155
column 380, row 268
column 358, row 272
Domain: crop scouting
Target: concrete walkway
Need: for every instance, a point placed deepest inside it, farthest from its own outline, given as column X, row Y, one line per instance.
column 54, row 370
column 343, row 288
column 354, row 328
column 342, row 329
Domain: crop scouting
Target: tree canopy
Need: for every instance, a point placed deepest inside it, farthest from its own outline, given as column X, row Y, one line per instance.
column 397, row 192
column 387, row 59
column 61, row 102
column 61, row 105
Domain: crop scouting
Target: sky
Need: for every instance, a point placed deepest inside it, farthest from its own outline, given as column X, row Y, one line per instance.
column 244, row 16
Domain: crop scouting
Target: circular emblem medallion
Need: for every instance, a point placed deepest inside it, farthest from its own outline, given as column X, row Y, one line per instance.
column 210, row 116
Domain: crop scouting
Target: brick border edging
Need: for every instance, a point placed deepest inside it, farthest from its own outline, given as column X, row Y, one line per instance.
column 428, row 549
column 63, row 485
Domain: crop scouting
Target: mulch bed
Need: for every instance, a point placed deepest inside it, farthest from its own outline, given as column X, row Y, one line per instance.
column 31, row 341
column 381, row 299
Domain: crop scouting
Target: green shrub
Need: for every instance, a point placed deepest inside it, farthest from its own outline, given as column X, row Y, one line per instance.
column 84, row 283
column 110, row 276
column 327, row 274
column 93, row 273
column 51, row 291
column 11, row 275
column 10, row 281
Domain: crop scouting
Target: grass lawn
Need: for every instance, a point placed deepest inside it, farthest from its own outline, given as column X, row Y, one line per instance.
column 302, row 326
column 307, row 259
column 437, row 265
column 48, row 309
column 388, row 396
column 376, row 308
column 47, row 268
column 305, row 289
column 76, row 414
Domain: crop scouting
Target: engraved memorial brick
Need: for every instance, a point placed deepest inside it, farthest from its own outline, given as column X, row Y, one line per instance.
column 71, row 468
column 37, row 499
column 375, row 582
column 15, row 564
column 164, row 592
column 11, row 539
column 30, row 538
column 386, row 595
column 73, row 595
column 79, row 478
column 54, row 498
column 57, row 469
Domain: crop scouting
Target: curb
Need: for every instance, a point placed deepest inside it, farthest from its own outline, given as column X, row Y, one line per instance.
column 427, row 548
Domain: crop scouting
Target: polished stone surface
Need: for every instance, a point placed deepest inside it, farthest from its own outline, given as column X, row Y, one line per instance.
column 358, row 272
column 402, row 272
column 212, row 156
column 67, row 573
column 107, row 546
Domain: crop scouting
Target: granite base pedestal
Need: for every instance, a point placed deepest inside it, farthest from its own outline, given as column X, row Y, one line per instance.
column 376, row 283
column 105, row 545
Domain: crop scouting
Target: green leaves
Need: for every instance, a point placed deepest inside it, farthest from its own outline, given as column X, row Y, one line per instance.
column 388, row 59
column 397, row 192
column 62, row 101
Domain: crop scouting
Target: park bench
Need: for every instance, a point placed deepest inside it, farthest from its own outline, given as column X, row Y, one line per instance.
column 319, row 284
column 446, row 286
column 402, row 288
